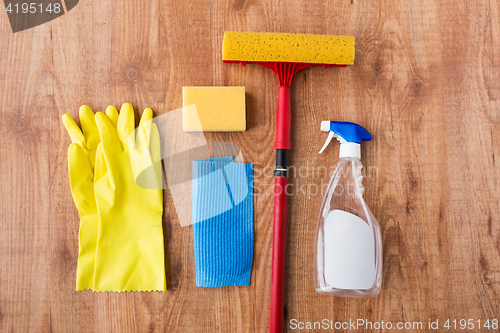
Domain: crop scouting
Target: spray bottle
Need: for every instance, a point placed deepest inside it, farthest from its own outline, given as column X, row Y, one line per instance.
column 348, row 255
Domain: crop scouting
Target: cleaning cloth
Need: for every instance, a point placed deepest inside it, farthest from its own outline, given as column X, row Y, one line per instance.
column 223, row 222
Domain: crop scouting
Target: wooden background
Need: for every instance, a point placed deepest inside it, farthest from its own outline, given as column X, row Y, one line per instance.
column 425, row 83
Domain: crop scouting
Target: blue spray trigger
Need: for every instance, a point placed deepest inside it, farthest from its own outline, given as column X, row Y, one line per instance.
column 350, row 132
column 344, row 132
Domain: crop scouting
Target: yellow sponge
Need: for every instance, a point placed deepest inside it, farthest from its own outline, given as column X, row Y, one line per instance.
column 217, row 109
column 279, row 47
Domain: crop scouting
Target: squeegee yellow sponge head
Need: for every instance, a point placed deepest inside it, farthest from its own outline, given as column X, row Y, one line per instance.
column 213, row 109
column 279, row 47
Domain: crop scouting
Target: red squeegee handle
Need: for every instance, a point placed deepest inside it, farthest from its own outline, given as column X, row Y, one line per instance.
column 282, row 146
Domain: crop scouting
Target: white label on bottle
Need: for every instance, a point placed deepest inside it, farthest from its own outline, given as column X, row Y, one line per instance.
column 349, row 251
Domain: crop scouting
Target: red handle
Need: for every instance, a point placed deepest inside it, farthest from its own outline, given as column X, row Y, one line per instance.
column 279, row 251
column 283, row 117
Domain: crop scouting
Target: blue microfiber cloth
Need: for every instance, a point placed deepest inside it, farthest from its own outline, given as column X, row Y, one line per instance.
column 223, row 222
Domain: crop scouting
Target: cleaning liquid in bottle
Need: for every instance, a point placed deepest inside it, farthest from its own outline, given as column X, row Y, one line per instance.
column 348, row 254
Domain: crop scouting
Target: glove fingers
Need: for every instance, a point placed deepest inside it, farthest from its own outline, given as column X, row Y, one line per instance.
column 126, row 123
column 145, row 123
column 110, row 143
column 81, row 180
column 74, row 131
column 144, row 130
column 112, row 114
column 147, row 115
column 89, row 127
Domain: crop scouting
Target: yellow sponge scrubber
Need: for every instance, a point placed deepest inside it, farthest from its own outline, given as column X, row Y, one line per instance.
column 281, row 47
column 217, row 109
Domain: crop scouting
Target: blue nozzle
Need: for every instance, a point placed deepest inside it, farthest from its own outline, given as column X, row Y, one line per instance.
column 344, row 132
column 350, row 132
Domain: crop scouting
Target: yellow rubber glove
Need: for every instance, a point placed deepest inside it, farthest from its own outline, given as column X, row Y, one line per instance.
column 130, row 252
column 81, row 161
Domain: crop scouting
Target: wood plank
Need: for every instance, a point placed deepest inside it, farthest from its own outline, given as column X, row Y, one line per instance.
column 185, row 61
column 469, row 126
column 25, row 246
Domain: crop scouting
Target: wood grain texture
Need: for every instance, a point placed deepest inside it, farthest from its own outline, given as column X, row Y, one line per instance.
column 425, row 83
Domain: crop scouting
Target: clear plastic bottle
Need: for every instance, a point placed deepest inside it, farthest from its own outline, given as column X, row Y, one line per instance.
column 348, row 254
